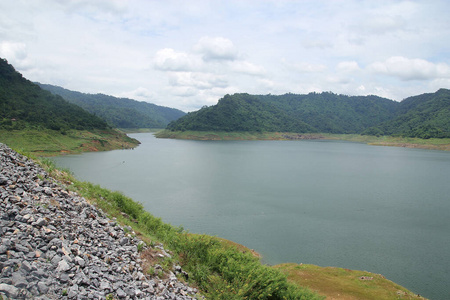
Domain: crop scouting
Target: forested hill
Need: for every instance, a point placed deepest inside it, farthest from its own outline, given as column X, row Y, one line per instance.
column 119, row 112
column 24, row 105
column 325, row 112
column 241, row 112
column 421, row 116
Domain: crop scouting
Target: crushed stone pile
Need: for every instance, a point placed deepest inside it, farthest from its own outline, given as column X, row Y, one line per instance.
column 55, row 245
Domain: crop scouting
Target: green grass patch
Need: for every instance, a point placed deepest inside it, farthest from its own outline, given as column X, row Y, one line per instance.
column 48, row 142
column 339, row 283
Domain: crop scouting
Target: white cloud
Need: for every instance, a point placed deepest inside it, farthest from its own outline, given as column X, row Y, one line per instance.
column 304, row 67
column 184, row 91
column 320, row 44
column 382, row 24
column 169, row 60
column 141, row 94
column 410, row 69
column 197, row 80
column 248, row 68
column 216, row 48
column 17, row 55
column 348, row 66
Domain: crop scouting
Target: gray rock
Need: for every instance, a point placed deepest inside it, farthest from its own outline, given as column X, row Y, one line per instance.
column 43, row 288
column 120, row 293
column 124, row 241
column 104, row 285
column 64, row 277
column 80, row 261
column 41, row 222
column 18, row 280
column 3, row 180
column 73, row 291
column 63, row 266
column 9, row 290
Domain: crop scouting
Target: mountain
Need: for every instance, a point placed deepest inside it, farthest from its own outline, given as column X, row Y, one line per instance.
column 241, row 112
column 332, row 113
column 424, row 116
column 119, row 112
column 325, row 112
column 24, row 105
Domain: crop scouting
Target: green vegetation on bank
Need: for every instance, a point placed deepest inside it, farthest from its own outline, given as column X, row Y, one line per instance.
column 119, row 112
column 46, row 142
column 424, row 116
column 339, row 283
column 37, row 121
column 219, row 269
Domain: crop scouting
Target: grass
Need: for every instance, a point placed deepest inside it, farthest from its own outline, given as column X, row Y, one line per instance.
column 345, row 284
column 435, row 144
column 49, row 142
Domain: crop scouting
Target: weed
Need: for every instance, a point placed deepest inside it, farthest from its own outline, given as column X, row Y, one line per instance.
column 151, row 270
column 110, row 297
column 47, row 164
column 140, row 246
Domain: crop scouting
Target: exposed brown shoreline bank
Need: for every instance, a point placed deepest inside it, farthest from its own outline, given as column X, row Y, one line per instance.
column 432, row 144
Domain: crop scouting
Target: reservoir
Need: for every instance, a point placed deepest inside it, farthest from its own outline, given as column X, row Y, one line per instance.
column 330, row 203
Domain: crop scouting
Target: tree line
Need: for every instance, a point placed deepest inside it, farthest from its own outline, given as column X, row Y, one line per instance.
column 423, row 116
column 24, row 105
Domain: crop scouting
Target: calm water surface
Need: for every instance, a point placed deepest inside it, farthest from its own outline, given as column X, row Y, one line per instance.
column 330, row 203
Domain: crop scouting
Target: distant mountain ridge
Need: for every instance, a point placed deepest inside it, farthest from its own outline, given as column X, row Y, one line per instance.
column 422, row 116
column 119, row 112
column 24, row 105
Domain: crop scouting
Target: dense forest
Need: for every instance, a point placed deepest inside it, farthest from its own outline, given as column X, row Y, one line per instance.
column 24, row 105
column 119, row 112
column 241, row 112
column 422, row 116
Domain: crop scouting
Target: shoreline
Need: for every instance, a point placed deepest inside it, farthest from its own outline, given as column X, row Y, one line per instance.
column 406, row 142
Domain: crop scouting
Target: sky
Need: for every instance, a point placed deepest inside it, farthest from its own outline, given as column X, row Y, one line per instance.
column 188, row 54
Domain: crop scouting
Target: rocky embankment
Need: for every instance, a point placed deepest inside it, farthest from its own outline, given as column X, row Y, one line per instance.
column 55, row 245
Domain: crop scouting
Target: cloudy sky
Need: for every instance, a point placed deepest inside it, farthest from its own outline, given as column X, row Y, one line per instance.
column 187, row 54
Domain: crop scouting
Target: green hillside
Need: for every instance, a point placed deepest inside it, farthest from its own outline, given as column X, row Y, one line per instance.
column 24, row 105
column 331, row 113
column 241, row 112
column 119, row 112
column 423, row 116
column 35, row 120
